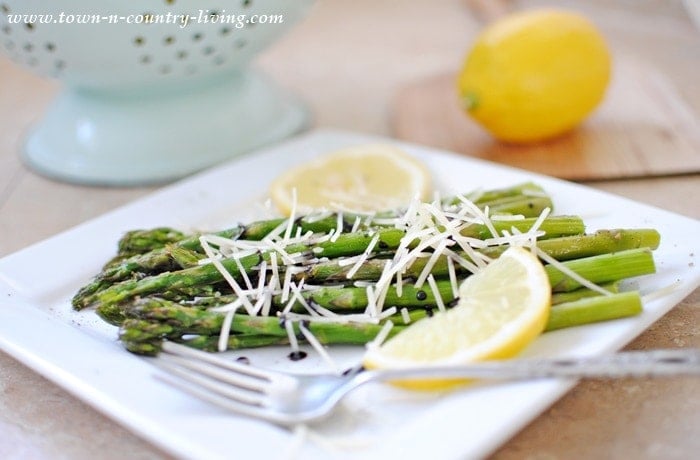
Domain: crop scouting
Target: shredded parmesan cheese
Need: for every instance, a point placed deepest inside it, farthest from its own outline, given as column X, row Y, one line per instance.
column 222, row 344
column 371, row 309
column 317, row 346
column 659, row 293
column 405, row 316
column 439, row 250
column 451, row 272
column 436, row 293
column 381, row 335
column 289, row 327
column 356, row 224
column 290, row 221
column 227, row 276
column 363, row 257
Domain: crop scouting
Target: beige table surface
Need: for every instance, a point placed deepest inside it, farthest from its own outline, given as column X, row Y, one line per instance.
column 347, row 60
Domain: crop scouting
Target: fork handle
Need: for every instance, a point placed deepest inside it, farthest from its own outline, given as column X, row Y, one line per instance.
column 618, row 365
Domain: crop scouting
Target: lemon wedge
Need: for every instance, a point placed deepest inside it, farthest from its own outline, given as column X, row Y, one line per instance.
column 364, row 178
column 501, row 310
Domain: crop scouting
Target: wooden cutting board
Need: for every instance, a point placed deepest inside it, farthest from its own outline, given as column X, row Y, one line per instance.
column 642, row 128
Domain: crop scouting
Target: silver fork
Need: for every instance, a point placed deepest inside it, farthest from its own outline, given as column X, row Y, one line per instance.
column 291, row 399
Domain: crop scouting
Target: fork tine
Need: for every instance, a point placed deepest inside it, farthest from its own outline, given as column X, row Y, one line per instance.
column 223, row 381
column 213, row 397
column 184, row 351
column 208, row 377
column 229, row 385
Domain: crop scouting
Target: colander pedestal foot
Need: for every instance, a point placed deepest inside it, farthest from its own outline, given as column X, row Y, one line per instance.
column 158, row 135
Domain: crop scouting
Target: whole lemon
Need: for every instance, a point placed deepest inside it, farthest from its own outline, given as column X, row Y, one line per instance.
column 534, row 75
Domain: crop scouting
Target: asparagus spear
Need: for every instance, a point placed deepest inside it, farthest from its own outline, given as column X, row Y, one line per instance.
column 489, row 197
column 171, row 321
column 166, row 320
column 155, row 261
column 152, row 346
column 531, row 206
column 234, row 342
column 142, row 241
column 185, row 258
column 584, row 293
column 354, row 299
column 594, row 309
column 602, row 268
column 342, row 299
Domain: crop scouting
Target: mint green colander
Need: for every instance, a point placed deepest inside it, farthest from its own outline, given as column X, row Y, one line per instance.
column 152, row 90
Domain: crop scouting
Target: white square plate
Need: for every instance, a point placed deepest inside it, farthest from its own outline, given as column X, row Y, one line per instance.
column 81, row 353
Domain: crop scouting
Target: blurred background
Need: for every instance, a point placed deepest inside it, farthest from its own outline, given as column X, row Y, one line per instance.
column 386, row 67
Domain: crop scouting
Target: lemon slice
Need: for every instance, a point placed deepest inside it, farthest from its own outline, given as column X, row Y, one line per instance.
column 501, row 309
column 364, row 179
